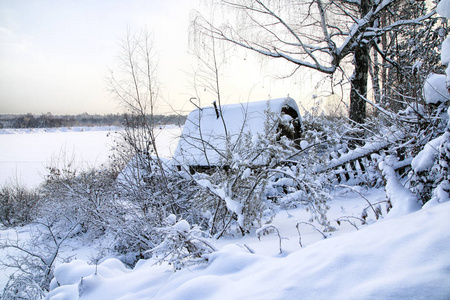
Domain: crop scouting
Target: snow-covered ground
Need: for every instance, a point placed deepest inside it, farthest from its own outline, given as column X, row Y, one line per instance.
column 25, row 153
column 401, row 257
column 405, row 257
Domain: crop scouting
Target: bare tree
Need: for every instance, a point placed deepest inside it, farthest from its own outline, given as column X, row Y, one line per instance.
column 316, row 34
column 135, row 86
column 211, row 58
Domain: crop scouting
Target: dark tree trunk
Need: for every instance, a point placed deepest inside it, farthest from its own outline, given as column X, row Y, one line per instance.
column 359, row 84
column 359, row 78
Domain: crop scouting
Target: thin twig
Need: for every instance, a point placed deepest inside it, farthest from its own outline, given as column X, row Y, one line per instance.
column 359, row 193
column 314, row 227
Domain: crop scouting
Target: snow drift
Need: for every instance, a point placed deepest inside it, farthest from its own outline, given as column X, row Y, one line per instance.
column 406, row 257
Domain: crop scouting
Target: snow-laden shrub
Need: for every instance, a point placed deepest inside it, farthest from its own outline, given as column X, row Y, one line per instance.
column 297, row 182
column 18, row 205
column 22, row 287
column 86, row 198
column 330, row 134
column 93, row 200
column 429, row 172
column 231, row 200
column 299, row 186
column 32, row 260
column 126, row 204
column 145, row 198
column 264, row 172
column 183, row 244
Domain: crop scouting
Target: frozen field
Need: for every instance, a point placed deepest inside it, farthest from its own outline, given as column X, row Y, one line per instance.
column 25, row 153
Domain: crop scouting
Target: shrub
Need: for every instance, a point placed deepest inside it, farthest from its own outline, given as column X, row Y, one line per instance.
column 17, row 205
column 183, row 244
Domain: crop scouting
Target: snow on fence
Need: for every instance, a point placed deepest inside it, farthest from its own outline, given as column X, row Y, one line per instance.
column 359, row 164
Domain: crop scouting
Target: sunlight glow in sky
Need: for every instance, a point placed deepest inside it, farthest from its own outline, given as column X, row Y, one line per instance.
column 55, row 56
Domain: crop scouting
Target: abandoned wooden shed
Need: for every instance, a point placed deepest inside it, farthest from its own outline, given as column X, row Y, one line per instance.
column 203, row 142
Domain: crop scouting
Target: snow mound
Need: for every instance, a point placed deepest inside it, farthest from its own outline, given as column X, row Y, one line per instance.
column 440, row 194
column 403, row 200
column 435, row 88
column 443, row 8
column 406, row 257
column 182, row 226
column 424, row 160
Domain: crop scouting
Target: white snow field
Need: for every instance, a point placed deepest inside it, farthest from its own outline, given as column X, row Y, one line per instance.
column 405, row 257
column 25, row 153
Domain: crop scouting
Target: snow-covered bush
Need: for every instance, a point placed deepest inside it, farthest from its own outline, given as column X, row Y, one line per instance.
column 429, row 175
column 264, row 172
column 126, row 209
column 86, row 198
column 231, row 199
column 32, row 260
column 96, row 202
column 183, row 244
column 295, row 182
column 145, row 199
column 18, row 205
column 299, row 186
column 430, row 170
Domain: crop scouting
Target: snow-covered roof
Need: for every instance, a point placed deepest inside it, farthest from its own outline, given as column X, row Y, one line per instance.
column 203, row 140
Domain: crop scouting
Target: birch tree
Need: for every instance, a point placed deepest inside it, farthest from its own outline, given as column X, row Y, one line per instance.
column 135, row 86
column 315, row 34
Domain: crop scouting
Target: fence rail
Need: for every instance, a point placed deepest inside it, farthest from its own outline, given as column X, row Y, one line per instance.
column 357, row 165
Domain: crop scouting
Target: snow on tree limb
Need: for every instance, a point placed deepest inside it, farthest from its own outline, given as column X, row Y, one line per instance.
column 402, row 199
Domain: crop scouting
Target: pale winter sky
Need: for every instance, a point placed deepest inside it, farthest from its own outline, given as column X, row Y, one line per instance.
column 55, row 56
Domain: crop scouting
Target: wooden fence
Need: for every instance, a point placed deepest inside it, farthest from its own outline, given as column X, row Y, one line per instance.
column 361, row 164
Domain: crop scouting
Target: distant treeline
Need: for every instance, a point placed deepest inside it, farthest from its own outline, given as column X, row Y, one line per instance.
column 50, row 121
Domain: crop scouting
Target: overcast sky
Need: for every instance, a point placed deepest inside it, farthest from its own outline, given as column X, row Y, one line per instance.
column 55, row 55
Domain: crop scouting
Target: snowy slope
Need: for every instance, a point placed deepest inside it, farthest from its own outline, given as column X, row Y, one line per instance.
column 406, row 257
